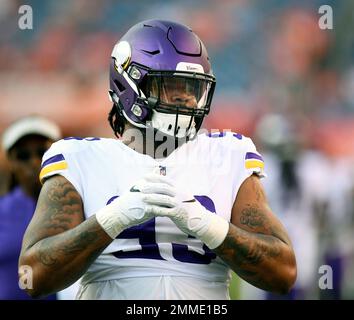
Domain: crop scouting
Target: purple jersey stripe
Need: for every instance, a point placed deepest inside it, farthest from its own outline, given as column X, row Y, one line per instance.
column 251, row 155
column 56, row 158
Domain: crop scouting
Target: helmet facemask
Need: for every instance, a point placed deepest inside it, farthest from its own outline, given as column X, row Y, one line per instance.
column 178, row 100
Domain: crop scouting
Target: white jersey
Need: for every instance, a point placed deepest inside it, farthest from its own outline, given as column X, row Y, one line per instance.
column 211, row 167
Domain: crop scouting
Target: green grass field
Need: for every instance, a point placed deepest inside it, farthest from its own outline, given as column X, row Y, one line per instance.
column 235, row 287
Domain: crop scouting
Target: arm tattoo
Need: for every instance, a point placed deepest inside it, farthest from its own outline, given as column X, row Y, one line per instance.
column 68, row 255
column 59, row 239
column 260, row 239
column 246, row 253
column 61, row 217
column 248, row 248
column 251, row 218
column 61, row 206
column 80, row 243
column 254, row 219
column 257, row 221
column 71, row 243
column 46, row 258
column 257, row 247
column 255, row 243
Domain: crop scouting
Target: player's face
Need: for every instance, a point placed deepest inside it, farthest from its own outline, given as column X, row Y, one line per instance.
column 178, row 91
column 25, row 160
column 174, row 91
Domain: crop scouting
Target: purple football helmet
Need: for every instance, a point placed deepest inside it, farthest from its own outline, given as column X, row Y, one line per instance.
column 161, row 77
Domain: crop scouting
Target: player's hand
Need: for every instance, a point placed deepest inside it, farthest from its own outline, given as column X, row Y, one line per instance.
column 129, row 209
column 188, row 214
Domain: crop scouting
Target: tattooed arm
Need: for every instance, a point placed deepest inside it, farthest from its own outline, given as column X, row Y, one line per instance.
column 257, row 246
column 58, row 244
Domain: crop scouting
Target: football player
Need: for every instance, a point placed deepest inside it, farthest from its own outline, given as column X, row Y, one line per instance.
column 165, row 211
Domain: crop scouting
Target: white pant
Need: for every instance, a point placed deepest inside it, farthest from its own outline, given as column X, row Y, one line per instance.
column 154, row 288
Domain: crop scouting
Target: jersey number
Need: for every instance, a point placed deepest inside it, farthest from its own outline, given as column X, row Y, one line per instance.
column 146, row 235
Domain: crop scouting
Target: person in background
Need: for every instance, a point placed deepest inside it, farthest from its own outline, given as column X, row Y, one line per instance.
column 287, row 159
column 24, row 143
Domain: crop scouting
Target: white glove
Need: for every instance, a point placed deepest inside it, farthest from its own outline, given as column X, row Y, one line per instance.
column 189, row 215
column 129, row 209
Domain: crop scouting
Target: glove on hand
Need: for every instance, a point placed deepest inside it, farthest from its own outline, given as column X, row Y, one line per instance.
column 187, row 213
column 129, row 209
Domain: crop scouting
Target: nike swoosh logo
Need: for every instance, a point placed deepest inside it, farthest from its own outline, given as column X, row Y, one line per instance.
column 134, row 189
column 188, row 201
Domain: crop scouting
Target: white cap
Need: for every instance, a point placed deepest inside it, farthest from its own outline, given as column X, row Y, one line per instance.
column 29, row 125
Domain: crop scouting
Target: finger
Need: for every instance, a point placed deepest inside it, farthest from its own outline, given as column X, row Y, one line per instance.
column 158, row 211
column 160, row 200
column 159, row 188
column 153, row 177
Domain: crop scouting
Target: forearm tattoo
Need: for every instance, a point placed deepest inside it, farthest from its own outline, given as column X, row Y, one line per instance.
column 256, row 221
column 53, row 250
column 58, row 234
column 248, row 248
column 256, row 244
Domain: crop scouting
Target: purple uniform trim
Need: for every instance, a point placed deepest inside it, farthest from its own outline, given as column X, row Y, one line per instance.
column 56, row 158
column 238, row 136
column 252, row 155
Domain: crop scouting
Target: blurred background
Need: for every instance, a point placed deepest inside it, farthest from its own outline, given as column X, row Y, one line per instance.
column 281, row 79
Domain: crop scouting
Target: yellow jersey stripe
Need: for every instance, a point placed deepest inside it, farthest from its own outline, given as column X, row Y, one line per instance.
column 53, row 167
column 250, row 164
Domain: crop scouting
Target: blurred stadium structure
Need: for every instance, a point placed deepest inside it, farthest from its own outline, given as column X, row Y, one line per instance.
column 280, row 79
